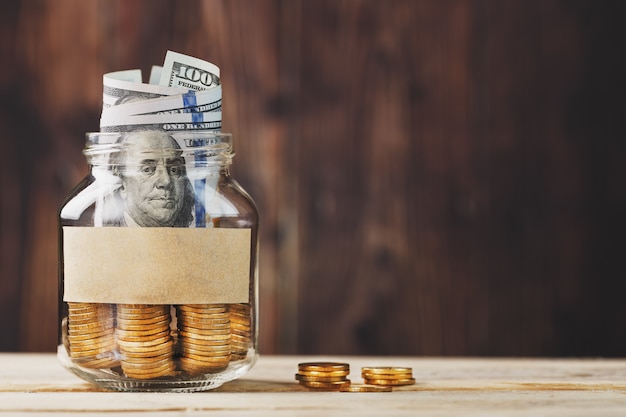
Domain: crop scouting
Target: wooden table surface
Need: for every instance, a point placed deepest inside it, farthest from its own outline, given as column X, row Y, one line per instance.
column 36, row 384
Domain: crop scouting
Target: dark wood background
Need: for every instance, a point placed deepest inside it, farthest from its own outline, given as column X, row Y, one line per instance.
column 435, row 177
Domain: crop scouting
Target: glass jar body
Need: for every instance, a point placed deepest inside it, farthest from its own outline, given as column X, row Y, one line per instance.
column 158, row 265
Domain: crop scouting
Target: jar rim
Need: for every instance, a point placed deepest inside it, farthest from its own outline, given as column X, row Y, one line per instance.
column 200, row 146
column 190, row 138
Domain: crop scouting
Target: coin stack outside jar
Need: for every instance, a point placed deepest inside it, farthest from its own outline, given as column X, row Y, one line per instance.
column 387, row 376
column 324, row 376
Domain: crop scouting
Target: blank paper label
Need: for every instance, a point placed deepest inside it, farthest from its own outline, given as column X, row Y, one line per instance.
column 156, row 265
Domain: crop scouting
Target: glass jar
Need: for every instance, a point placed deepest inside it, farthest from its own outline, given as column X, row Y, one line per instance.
column 158, row 264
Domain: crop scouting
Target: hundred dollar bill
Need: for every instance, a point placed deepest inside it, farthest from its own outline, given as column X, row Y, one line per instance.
column 155, row 74
column 124, row 86
column 191, row 102
column 211, row 120
column 184, row 71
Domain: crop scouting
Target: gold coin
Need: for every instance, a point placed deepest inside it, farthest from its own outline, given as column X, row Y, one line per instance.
column 77, row 334
column 203, row 316
column 245, row 306
column 104, row 324
column 127, row 334
column 143, row 315
column 209, row 305
column 384, row 376
column 145, row 342
column 241, row 344
column 193, row 366
column 386, row 370
column 142, row 318
column 203, row 329
column 245, row 325
column 215, row 337
column 142, row 358
column 78, row 304
column 144, row 351
column 240, row 313
column 137, row 357
column 324, row 374
column 204, row 350
column 190, row 363
column 184, row 340
column 238, row 356
column 90, row 353
column 84, row 307
column 164, row 323
column 241, row 333
column 85, row 314
column 76, row 342
column 208, row 358
column 198, row 347
column 204, row 309
column 202, row 320
column 77, row 350
column 151, row 373
column 240, row 347
column 323, row 366
column 142, row 307
column 236, row 338
column 392, row 382
column 102, row 321
column 147, row 308
column 216, row 321
column 188, row 351
column 91, row 337
column 155, row 375
column 206, row 332
column 92, row 316
column 326, row 386
column 366, row 388
column 142, row 364
column 307, row 378
column 245, row 321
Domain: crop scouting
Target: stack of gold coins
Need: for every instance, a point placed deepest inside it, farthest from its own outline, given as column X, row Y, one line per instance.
column 387, row 376
column 240, row 330
column 203, row 337
column 324, row 376
column 91, row 335
column 143, row 335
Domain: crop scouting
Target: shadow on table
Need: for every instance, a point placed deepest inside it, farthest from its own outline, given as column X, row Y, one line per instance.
column 249, row 385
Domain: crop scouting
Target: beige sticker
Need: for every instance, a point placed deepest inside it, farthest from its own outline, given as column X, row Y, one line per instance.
column 155, row 265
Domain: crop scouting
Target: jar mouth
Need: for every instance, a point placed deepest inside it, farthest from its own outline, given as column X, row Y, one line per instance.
column 196, row 148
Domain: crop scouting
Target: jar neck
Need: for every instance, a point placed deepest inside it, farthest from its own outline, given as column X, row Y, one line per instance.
column 146, row 150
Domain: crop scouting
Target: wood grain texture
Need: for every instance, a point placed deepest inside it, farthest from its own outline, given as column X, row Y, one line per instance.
column 433, row 177
column 444, row 387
